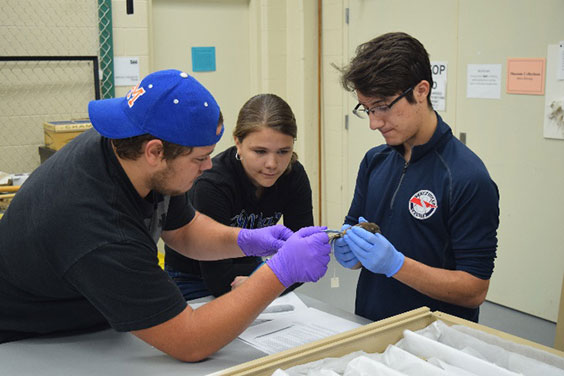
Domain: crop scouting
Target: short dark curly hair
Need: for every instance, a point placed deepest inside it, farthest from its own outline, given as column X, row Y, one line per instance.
column 132, row 147
column 388, row 65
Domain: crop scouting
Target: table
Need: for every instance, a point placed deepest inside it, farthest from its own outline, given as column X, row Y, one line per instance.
column 111, row 353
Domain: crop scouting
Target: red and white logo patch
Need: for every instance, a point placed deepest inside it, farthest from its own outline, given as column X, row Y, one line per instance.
column 134, row 94
column 423, row 204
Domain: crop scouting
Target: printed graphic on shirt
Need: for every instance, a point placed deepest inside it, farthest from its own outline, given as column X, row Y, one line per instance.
column 156, row 222
column 252, row 220
column 423, row 204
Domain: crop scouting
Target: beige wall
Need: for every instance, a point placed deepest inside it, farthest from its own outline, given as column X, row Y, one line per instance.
column 508, row 135
column 334, row 98
column 335, row 153
column 284, row 62
column 177, row 27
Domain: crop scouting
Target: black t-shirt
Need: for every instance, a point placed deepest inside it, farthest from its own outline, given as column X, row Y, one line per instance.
column 226, row 194
column 78, row 248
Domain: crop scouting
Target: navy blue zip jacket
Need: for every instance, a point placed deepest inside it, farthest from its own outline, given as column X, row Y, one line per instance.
column 441, row 209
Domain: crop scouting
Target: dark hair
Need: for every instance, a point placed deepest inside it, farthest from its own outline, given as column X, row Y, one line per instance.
column 388, row 65
column 266, row 111
column 132, row 147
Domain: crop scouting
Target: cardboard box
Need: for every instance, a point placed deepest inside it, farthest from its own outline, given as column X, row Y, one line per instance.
column 374, row 337
column 7, row 192
column 59, row 133
column 45, row 153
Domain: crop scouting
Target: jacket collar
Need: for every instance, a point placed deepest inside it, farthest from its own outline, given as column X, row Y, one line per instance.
column 441, row 135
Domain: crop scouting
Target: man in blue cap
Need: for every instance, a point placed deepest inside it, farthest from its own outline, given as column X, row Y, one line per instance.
column 78, row 242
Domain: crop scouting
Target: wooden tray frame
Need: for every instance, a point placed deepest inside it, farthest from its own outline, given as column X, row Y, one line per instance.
column 373, row 337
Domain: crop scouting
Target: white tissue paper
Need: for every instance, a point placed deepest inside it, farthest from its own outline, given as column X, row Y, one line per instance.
column 450, row 369
column 336, row 365
column 407, row 363
column 439, row 350
column 364, row 366
column 495, row 354
column 424, row 347
column 528, row 351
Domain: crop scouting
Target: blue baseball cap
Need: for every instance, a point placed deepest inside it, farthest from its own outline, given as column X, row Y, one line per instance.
column 168, row 104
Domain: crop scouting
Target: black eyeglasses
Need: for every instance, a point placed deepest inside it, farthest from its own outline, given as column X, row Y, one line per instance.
column 363, row 112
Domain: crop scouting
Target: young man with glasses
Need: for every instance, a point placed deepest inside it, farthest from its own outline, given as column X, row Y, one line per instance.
column 432, row 197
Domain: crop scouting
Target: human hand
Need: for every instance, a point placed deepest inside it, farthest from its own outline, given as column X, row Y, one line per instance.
column 263, row 241
column 238, row 281
column 303, row 257
column 342, row 252
column 374, row 251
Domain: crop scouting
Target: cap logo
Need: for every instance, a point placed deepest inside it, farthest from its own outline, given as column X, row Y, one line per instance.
column 423, row 204
column 134, row 94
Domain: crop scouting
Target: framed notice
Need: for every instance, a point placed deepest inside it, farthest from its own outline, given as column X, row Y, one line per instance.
column 526, row 76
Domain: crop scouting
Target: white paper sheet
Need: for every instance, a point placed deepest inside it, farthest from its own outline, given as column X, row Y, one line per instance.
column 126, row 70
column 289, row 303
column 288, row 322
column 554, row 93
column 287, row 329
column 483, row 81
column 439, row 70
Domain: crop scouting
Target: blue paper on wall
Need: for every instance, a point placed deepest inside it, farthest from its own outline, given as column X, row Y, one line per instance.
column 203, row 59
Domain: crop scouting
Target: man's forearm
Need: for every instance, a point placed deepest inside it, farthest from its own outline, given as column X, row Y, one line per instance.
column 205, row 239
column 451, row 286
column 194, row 335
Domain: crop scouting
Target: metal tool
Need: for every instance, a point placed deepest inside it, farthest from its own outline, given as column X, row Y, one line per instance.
column 329, row 231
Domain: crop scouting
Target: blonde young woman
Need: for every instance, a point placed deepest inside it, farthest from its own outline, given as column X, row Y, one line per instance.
column 251, row 185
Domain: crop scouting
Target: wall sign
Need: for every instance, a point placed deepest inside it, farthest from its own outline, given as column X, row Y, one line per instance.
column 483, row 81
column 439, row 70
column 203, row 59
column 526, row 76
column 126, row 71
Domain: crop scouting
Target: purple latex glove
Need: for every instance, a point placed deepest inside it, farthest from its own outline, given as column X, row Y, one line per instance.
column 342, row 252
column 303, row 258
column 263, row 241
column 374, row 251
